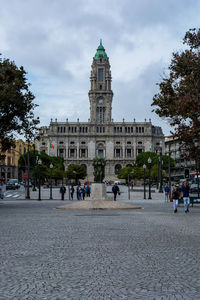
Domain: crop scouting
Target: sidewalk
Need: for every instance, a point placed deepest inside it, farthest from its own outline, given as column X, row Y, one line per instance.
column 123, row 197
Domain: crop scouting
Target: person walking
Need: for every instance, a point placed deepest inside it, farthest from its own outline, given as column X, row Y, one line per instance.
column 77, row 192
column 62, row 191
column 175, row 197
column 83, row 192
column 115, row 190
column 185, row 194
column 166, row 190
column 88, row 189
column 72, row 192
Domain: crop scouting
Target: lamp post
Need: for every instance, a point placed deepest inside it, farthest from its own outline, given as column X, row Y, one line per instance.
column 34, row 184
column 160, row 169
column 144, row 167
column 51, row 167
column 128, row 186
column 28, row 190
column 39, row 191
column 149, row 165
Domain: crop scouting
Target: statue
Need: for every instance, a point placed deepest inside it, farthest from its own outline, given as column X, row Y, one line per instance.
column 99, row 163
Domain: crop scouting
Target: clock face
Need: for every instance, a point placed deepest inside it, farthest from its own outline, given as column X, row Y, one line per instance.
column 100, row 101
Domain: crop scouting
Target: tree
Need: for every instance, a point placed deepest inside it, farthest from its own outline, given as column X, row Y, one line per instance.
column 142, row 158
column 58, row 165
column 178, row 99
column 16, row 104
column 76, row 172
column 124, row 172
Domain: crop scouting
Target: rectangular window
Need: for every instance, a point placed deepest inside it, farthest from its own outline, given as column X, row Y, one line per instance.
column 72, row 152
column 82, row 152
column 142, row 129
column 139, row 151
column 131, row 129
column 128, row 152
column 100, row 74
column 61, row 152
column 100, row 152
column 136, row 129
column 117, row 152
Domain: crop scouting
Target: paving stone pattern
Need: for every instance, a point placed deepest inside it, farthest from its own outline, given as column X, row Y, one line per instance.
column 49, row 254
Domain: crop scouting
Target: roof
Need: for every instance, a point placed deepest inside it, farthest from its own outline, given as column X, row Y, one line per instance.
column 100, row 51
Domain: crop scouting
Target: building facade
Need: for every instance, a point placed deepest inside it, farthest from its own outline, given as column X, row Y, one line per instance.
column 173, row 149
column 9, row 161
column 119, row 142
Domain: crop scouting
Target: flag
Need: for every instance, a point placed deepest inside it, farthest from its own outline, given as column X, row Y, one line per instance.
column 52, row 146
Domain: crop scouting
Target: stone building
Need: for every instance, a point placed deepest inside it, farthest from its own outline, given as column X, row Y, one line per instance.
column 9, row 167
column 173, row 149
column 119, row 142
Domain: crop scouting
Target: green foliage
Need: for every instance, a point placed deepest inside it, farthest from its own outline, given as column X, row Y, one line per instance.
column 142, row 158
column 179, row 94
column 123, row 173
column 137, row 171
column 16, row 104
column 76, row 172
column 57, row 162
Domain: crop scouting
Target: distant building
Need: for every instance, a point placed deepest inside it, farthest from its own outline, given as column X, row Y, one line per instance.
column 172, row 148
column 119, row 142
column 9, row 161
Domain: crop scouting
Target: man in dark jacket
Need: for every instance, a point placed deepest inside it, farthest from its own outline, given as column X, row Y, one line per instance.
column 115, row 190
column 62, row 191
column 185, row 194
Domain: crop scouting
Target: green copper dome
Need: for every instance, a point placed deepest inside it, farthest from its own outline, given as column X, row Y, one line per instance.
column 100, row 51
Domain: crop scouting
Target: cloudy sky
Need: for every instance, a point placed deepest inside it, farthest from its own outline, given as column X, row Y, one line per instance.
column 55, row 41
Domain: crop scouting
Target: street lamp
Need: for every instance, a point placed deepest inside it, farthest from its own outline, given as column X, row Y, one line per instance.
column 128, row 186
column 39, row 191
column 160, row 169
column 28, row 190
column 34, row 173
column 149, row 166
column 51, row 167
column 144, row 167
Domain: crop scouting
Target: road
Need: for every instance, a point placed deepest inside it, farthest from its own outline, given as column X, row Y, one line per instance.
column 49, row 254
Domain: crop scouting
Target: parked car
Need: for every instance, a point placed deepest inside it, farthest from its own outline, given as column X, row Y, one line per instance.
column 12, row 184
column 194, row 188
column 1, row 193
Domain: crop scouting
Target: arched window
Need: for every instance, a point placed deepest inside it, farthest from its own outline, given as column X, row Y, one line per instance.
column 84, row 166
column 117, row 168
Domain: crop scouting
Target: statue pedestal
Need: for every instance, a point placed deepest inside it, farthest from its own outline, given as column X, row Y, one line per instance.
column 98, row 192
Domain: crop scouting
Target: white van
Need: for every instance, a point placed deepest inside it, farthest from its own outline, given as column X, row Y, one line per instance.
column 117, row 182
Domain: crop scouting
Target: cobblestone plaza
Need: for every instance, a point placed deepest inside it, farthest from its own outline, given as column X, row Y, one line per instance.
column 138, row 254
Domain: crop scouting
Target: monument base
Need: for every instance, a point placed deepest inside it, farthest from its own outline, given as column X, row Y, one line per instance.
column 98, row 192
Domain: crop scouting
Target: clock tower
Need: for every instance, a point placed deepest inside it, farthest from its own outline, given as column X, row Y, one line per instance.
column 100, row 94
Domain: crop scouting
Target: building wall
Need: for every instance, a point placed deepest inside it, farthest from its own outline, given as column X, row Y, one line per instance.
column 119, row 148
column 9, row 163
column 172, row 148
column 119, row 142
